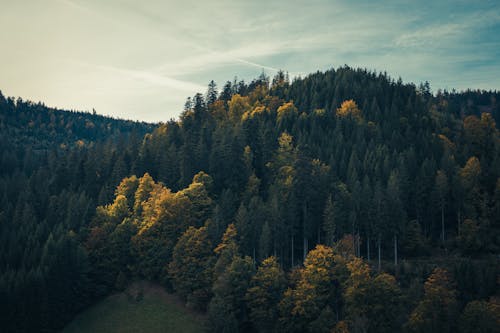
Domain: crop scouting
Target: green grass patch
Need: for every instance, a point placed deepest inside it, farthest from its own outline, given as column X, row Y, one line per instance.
column 147, row 310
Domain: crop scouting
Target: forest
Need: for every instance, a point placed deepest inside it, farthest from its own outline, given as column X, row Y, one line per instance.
column 343, row 201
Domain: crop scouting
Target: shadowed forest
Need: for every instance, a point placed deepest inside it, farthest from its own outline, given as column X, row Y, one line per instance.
column 344, row 201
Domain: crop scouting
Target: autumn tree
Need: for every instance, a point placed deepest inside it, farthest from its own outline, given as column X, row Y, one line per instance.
column 437, row 311
column 349, row 108
column 264, row 294
column 227, row 309
column 315, row 294
column 373, row 304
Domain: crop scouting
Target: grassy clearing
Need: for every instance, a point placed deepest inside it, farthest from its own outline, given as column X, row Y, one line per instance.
column 142, row 308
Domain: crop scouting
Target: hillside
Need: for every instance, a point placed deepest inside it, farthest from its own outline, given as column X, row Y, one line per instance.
column 26, row 123
column 341, row 200
column 141, row 308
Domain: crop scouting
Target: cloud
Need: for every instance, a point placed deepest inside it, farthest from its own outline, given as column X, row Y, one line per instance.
column 150, row 78
column 429, row 36
column 141, row 59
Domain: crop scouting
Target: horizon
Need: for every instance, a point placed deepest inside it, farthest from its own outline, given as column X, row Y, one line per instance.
column 141, row 62
column 176, row 118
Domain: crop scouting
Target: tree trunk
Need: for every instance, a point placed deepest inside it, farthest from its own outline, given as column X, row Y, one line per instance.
column 353, row 237
column 442, row 222
column 379, row 254
column 368, row 247
column 319, row 234
column 358, row 240
column 306, row 245
column 395, row 251
column 293, row 249
column 304, row 228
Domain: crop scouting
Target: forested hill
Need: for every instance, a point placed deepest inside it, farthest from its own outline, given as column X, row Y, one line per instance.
column 314, row 205
column 24, row 123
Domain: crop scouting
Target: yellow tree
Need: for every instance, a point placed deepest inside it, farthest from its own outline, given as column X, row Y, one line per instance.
column 372, row 303
column 349, row 108
column 237, row 107
column 310, row 305
column 287, row 113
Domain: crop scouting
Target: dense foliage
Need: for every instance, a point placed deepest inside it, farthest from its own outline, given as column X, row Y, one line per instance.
column 319, row 205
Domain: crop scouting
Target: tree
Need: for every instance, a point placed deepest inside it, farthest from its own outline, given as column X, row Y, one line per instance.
column 395, row 211
column 437, row 311
column 469, row 178
column 227, row 310
column 286, row 116
column 201, row 203
column 329, row 221
column 226, row 250
column 373, row 304
column 442, row 191
column 469, row 241
column 191, row 267
column 317, row 290
column 211, row 93
column 265, row 241
column 237, row 107
column 144, row 188
column 264, row 294
column 349, row 108
column 480, row 317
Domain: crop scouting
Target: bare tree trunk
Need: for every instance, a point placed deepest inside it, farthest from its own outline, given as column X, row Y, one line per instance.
column 395, row 251
column 459, row 218
column 304, row 229
column 319, row 234
column 306, row 245
column 379, row 252
column 358, row 239
column 293, row 249
column 368, row 247
column 353, row 237
column 442, row 222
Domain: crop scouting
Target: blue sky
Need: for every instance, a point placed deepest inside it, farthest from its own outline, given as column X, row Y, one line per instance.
column 141, row 59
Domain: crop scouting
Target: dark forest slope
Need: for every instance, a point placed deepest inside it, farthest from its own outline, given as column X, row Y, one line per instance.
column 398, row 181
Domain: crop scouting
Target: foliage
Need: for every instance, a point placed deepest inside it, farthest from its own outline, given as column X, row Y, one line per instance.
column 264, row 294
column 436, row 312
column 349, row 158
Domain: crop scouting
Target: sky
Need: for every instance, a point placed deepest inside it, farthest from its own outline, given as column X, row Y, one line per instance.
column 140, row 60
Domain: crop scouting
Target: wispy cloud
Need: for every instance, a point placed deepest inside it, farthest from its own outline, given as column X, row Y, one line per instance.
column 141, row 59
column 147, row 77
column 428, row 36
